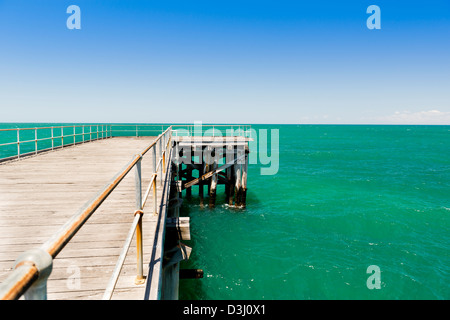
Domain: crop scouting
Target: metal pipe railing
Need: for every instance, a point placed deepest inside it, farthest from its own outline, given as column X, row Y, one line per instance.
column 137, row 219
column 213, row 130
column 33, row 268
column 101, row 132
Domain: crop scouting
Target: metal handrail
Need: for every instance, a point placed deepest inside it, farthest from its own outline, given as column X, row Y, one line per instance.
column 54, row 127
column 115, row 275
column 89, row 125
column 244, row 130
column 102, row 131
column 33, row 268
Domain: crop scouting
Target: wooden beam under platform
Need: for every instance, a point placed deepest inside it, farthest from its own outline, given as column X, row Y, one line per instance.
column 210, row 173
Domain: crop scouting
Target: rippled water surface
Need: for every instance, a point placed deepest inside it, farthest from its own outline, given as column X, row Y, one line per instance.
column 344, row 198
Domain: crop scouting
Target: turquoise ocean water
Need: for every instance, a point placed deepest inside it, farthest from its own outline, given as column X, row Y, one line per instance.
column 345, row 197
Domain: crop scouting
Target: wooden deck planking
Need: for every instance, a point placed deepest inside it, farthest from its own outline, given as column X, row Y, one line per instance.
column 40, row 193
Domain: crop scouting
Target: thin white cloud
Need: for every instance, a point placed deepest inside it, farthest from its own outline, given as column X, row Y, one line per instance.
column 421, row 117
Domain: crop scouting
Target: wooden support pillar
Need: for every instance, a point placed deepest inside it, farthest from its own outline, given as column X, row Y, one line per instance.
column 227, row 185
column 180, row 179
column 239, row 171
column 189, row 178
column 200, row 184
column 179, row 166
column 213, row 184
column 229, row 157
column 244, row 181
column 237, row 185
column 207, row 166
column 232, row 181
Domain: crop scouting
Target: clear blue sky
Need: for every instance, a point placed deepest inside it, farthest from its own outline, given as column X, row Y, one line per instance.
column 225, row 61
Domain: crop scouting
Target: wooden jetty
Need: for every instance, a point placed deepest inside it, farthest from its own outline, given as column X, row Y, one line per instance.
column 70, row 229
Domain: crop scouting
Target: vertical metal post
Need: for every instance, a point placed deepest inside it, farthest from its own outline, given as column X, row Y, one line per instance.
column 154, row 159
column 161, row 165
column 164, row 162
column 164, row 152
column 18, row 143
column 82, row 129
column 136, row 131
column 62, row 137
column 97, row 132
column 35, row 141
column 73, row 135
column 155, row 196
column 139, row 247
column 138, row 183
column 53, row 142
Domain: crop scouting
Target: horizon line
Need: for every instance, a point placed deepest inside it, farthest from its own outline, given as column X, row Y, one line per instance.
column 221, row 123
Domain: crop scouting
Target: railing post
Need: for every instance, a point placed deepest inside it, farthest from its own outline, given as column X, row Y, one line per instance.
column 53, row 142
column 154, row 159
column 139, row 247
column 35, row 140
column 155, row 196
column 62, row 137
column 43, row 262
column 82, row 132
column 138, row 183
column 18, row 143
column 73, row 135
column 161, row 165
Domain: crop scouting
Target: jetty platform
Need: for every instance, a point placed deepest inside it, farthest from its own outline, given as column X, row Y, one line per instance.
column 98, row 218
